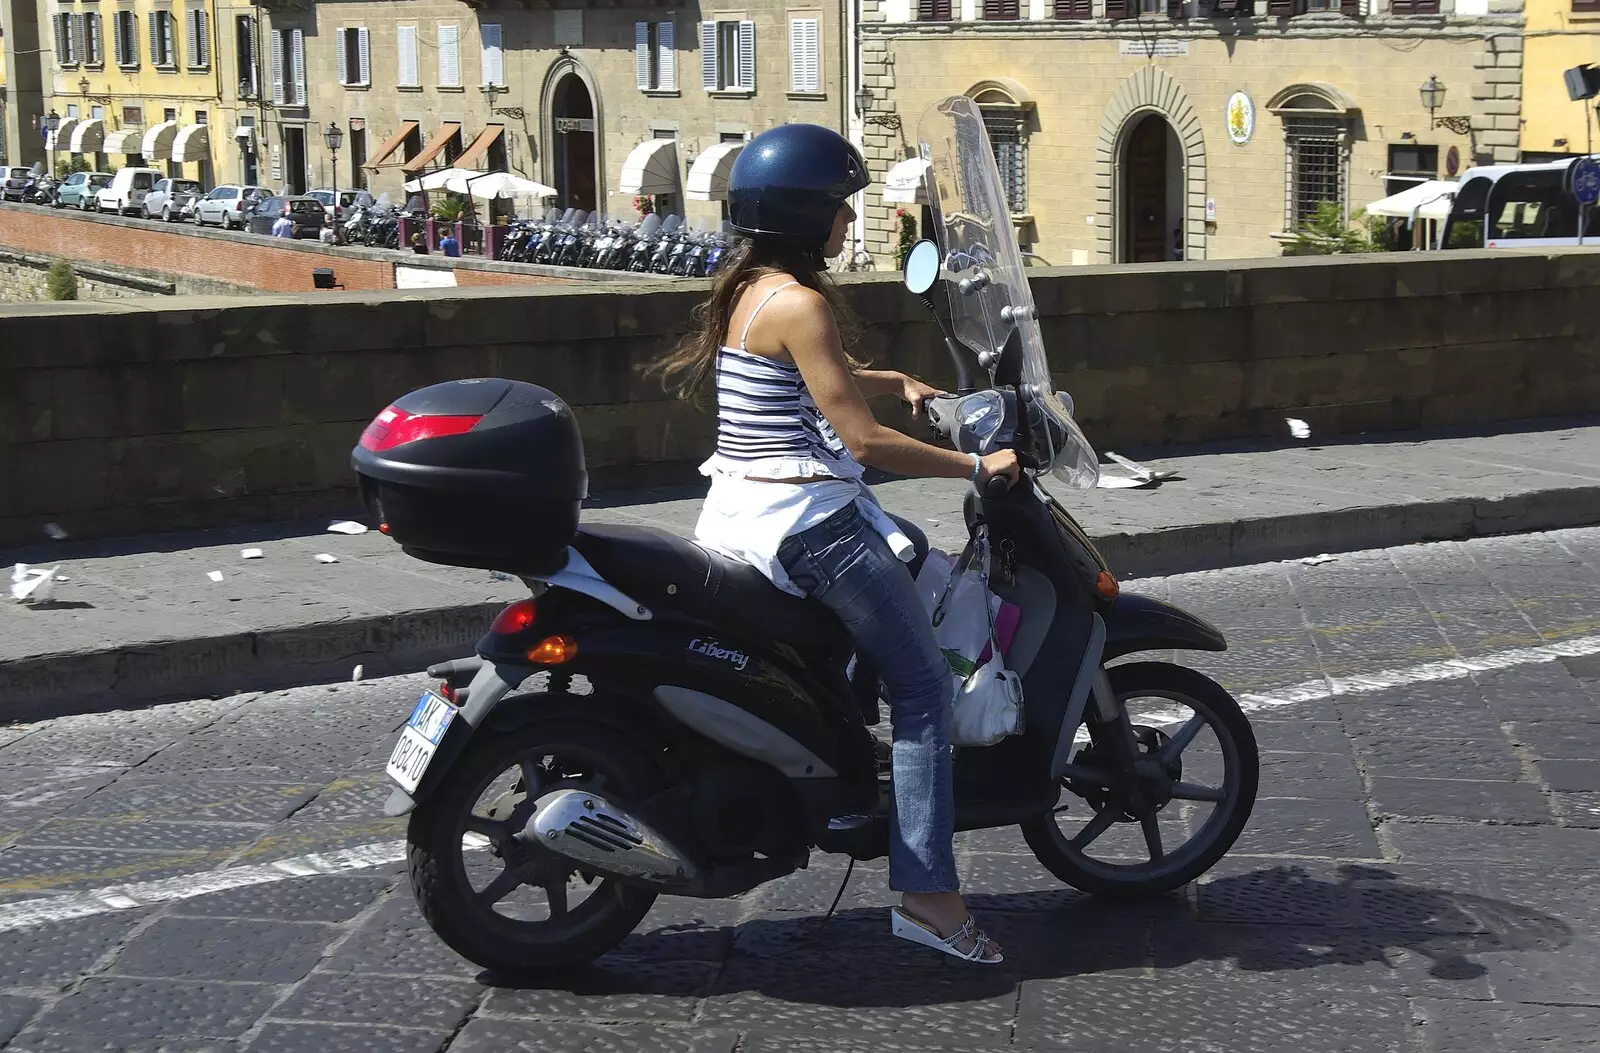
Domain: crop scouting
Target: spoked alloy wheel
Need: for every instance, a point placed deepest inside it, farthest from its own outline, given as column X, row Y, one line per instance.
column 507, row 904
column 1194, row 785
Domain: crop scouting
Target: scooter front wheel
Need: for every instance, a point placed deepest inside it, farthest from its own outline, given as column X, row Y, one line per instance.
column 511, row 907
column 1147, row 832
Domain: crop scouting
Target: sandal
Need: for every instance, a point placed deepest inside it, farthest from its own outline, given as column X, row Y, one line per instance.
column 910, row 927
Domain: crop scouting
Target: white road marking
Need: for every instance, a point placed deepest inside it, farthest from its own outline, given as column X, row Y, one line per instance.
column 68, row 906
column 30, row 912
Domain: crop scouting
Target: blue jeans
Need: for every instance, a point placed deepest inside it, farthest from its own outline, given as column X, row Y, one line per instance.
column 845, row 564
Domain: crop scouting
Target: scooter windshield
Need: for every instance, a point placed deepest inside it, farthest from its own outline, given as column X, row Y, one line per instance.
column 991, row 306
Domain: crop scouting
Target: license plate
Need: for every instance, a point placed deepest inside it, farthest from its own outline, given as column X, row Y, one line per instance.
column 419, row 740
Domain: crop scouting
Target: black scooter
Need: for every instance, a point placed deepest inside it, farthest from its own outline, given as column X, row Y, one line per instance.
column 657, row 719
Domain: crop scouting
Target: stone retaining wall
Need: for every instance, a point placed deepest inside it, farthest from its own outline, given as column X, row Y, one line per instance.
column 22, row 279
column 118, row 418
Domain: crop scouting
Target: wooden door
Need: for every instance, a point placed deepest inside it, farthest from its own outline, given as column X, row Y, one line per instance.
column 1145, row 194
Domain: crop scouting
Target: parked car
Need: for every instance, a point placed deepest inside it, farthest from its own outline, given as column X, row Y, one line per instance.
column 306, row 212
column 126, row 192
column 79, row 189
column 169, row 197
column 224, row 206
column 13, row 180
column 347, row 198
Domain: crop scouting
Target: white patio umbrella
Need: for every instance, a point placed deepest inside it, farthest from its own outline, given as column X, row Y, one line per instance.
column 503, row 184
column 1430, row 199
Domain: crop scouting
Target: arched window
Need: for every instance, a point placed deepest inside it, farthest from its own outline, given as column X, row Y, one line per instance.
column 1317, row 119
column 1005, row 106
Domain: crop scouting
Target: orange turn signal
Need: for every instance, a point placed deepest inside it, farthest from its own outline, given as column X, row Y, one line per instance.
column 1106, row 585
column 553, row 650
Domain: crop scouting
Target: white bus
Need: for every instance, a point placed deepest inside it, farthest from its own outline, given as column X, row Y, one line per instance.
column 1517, row 206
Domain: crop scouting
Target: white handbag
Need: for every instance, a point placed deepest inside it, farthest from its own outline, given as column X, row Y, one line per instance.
column 988, row 697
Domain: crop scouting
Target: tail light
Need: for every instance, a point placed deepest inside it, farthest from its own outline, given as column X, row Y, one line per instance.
column 553, row 650
column 519, row 617
column 395, row 427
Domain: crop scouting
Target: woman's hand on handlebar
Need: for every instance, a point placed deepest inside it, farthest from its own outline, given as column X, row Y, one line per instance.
column 914, row 393
column 1002, row 464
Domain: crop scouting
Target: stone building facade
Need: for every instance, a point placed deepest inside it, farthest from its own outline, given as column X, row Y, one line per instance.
column 134, row 82
column 576, row 91
column 1146, row 130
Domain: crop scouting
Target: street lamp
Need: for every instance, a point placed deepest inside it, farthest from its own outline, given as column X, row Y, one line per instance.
column 1433, row 100
column 53, row 124
column 333, row 135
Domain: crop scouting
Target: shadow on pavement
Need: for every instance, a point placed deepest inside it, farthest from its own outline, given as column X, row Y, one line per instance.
column 851, row 961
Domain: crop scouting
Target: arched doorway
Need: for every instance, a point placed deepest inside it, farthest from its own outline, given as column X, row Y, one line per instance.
column 1152, row 199
column 1151, row 92
column 573, row 113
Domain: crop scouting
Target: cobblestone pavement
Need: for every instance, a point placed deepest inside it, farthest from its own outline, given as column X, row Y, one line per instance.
column 1420, row 872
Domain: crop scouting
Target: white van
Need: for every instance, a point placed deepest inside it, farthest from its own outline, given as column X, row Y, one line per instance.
column 1517, row 206
column 125, row 195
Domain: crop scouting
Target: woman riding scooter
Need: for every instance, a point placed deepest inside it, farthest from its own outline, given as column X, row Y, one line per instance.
column 787, row 497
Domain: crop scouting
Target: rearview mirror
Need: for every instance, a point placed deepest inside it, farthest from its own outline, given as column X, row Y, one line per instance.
column 922, row 267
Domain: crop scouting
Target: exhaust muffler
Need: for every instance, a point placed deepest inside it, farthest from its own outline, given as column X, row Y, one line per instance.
column 591, row 831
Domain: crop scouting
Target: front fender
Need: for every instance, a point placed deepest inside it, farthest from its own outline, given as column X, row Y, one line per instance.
column 1139, row 623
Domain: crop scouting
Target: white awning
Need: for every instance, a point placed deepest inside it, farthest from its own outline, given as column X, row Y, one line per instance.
column 62, row 136
column 157, row 142
column 904, row 184
column 708, row 176
column 651, row 168
column 87, row 136
column 245, row 135
column 1430, row 199
column 125, row 142
column 193, row 143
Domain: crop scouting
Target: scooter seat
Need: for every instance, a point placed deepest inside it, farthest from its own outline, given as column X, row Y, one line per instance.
column 661, row 569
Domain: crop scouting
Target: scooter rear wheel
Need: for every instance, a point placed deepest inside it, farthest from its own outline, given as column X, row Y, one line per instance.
column 498, row 901
column 1199, row 772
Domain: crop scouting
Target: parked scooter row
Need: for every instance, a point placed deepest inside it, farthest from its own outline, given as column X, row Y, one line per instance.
column 575, row 238
column 374, row 223
column 34, row 187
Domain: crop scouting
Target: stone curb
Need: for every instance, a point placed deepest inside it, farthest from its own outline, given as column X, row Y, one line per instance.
column 47, row 686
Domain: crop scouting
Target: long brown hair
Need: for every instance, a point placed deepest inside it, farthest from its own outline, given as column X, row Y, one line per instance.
column 685, row 369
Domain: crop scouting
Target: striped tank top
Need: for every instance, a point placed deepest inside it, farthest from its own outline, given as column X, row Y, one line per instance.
column 769, row 428
column 768, row 425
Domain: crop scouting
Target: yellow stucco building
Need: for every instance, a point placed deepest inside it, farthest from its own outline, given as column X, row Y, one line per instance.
column 133, row 82
column 1560, row 34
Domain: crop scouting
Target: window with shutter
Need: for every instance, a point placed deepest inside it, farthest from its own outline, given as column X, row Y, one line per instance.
column 708, row 56
column 805, row 59
column 192, row 39
column 1350, row 8
column 1281, row 8
column 666, row 58
column 747, row 56
column 933, row 10
column 75, row 33
column 128, row 30
column 643, row 57
column 364, row 55
column 1001, row 10
column 94, row 39
column 1119, row 8
column 449, row 57
column 297, row 61
column 1177, row 9
column 202, row 35
column 1074, row 9
column 494, row 71
column 1414, row 7
column 58, row 22
column 407, row 72
column 1585, row 5
column 341, row 54
column 244, row 53
column 277, row 67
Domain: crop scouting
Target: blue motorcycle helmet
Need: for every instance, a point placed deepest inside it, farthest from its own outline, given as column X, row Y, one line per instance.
column 789, row 182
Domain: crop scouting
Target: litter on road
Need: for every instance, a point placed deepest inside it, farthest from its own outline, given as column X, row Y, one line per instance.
column 215, row 575
column 251, row 553
column 358, row 674
column 345, row 526
column 32, row 583
column 327, row 557
column 55, row 532
column 1138, row 475
column 1298, row 428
